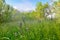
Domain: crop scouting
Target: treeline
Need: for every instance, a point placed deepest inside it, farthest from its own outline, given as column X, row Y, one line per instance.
column 48, row 8
column 8, row 13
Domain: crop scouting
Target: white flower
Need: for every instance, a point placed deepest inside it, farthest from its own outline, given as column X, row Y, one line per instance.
column 51, row 16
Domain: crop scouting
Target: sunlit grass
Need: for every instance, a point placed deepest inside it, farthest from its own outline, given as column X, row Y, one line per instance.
column 45, row 30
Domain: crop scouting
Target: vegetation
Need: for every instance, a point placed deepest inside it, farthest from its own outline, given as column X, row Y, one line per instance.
column 16, row 25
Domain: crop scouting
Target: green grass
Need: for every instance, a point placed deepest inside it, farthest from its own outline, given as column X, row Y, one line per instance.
column 45, row 30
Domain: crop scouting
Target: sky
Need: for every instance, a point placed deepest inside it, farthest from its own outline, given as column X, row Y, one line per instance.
column 24, row 5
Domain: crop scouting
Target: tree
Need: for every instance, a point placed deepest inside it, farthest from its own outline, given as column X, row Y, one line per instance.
column 40, row 9
column 57, row 8
column 5, row 12
column 1, row 8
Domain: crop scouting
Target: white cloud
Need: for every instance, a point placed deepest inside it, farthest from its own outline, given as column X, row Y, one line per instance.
column 25, row 6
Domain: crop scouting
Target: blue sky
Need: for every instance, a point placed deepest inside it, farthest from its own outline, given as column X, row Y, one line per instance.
column 24, row 5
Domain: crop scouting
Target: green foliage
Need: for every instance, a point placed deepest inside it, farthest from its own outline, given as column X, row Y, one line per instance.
column 45, row 30
column 40, row 10
column 29, row 28
column 57, row 10
column 5, row 12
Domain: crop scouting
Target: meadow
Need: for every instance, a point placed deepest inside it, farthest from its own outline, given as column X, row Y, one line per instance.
column 30, row 30
column 37, row 24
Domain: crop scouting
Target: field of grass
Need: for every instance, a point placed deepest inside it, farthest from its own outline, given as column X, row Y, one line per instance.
column 33, row 30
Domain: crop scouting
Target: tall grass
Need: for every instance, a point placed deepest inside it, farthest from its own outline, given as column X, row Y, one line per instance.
column 44, row 30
